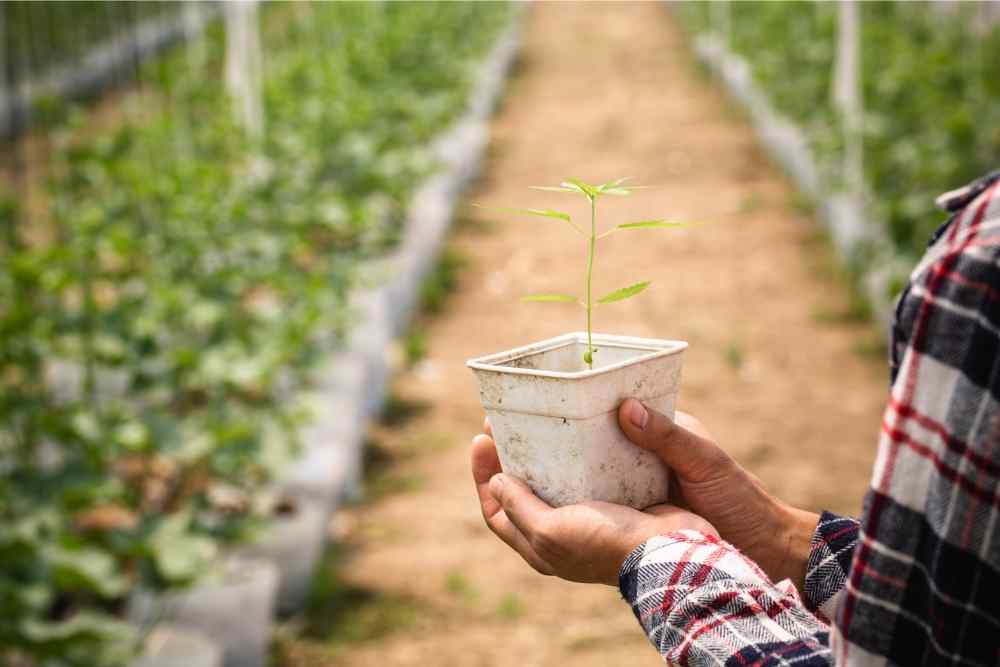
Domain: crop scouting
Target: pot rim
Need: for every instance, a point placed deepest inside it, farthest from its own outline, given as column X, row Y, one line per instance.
column 656, row 347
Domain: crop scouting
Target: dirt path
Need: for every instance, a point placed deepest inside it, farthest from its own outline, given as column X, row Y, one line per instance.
column 773, row 368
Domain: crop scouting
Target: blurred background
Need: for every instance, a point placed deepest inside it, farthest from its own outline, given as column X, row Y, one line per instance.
column 233, row 408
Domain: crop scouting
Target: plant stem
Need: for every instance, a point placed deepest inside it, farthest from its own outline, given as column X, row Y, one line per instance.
column 590, row 272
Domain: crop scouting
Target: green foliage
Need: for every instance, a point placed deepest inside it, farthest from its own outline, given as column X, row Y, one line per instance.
column 459, row 585
column 415, row 346
column 151, row 349
column 624, row 292
column 510, row 607
column 734, row 355
column 931, row 96
column 441, row 281
column 341, row 612
column 592, row 193
column 42, row 34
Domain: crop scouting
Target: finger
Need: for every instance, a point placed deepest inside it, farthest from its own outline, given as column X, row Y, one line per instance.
column 694, row 457
column 691, row 423
column 524, row 509
column 503, row 528
column 485, row 464
column 664, row 509
column 675, row 495
column 681, row 519
column 487, row 427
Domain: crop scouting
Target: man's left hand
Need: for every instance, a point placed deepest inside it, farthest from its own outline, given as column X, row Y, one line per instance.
column 587, row 542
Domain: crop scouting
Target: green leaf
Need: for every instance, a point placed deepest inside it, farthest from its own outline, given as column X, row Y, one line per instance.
column 183, row 559
column 86, row 569
column 565, row 298
column 646, row 224
column 582, row 187
column 83, row 624
column 180, row 556
column 612, row 185
column 624, row 293
column 541, row 212
column 653, row 224
column 570, row 187
column 626, row 190
column 552, row 188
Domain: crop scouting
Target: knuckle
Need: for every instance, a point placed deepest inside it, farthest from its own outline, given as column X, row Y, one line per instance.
column 545, row 536
column 666, row 433
column 717, row 456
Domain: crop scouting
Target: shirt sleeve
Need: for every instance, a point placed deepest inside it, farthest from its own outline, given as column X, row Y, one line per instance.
column 829, row 563
column 702, row 602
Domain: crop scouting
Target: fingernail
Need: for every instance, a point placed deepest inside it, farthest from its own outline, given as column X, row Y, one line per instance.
column 637, row 415
column 496, row 485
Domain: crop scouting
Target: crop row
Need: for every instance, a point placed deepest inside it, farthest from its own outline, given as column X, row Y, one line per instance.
column 930, row 97
column 162, row 306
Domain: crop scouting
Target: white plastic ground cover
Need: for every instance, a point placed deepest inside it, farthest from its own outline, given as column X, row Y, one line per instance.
column 102, row 65
column 294, row 542
column 842, row 215
column 168, row 646
column 352, row 383
column 236, row 610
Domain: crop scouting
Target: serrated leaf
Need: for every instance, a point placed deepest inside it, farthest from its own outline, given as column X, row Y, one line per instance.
column 653, row 224
column 564, row 298
column 572, row 187
column 624, row 293
column 542, row 212
column 645, row 224
column 552, row 188
column 582, row 187
column 612, row 185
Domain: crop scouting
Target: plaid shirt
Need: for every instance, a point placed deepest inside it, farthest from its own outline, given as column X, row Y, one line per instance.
column 917, row 580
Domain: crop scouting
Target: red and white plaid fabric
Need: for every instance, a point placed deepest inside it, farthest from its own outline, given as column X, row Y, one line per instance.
column 917, row 580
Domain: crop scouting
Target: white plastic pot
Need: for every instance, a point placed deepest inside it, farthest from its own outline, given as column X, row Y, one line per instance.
column 555, row 421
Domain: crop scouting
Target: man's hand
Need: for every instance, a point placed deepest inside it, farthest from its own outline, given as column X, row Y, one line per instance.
column 708, row 482
column 587, row 542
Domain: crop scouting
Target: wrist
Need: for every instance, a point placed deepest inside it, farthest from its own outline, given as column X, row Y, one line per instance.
column 794, row 544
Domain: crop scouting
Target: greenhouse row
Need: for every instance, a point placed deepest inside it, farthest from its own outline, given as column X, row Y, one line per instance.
column 249, row 248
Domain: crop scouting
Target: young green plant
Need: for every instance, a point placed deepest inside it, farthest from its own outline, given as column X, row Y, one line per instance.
column 592, row 193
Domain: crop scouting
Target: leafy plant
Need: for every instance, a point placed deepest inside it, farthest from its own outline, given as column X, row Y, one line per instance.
column 179, row 285
column 593, row 193
column 929, row 88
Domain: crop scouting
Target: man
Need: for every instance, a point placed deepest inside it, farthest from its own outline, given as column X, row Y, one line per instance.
column 731, row 575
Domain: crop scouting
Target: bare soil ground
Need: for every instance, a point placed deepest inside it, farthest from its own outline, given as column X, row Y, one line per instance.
column 776, row 368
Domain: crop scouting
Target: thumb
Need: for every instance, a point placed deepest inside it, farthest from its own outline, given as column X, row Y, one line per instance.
column 524, row 509
column 692, row 457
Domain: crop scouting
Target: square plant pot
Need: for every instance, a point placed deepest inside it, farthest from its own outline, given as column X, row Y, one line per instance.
column 555, row 421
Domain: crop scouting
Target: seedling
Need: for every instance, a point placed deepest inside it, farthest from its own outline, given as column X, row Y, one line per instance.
column 593, row 193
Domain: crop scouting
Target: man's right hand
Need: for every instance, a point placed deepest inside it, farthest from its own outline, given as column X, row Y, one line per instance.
column 708, row 482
